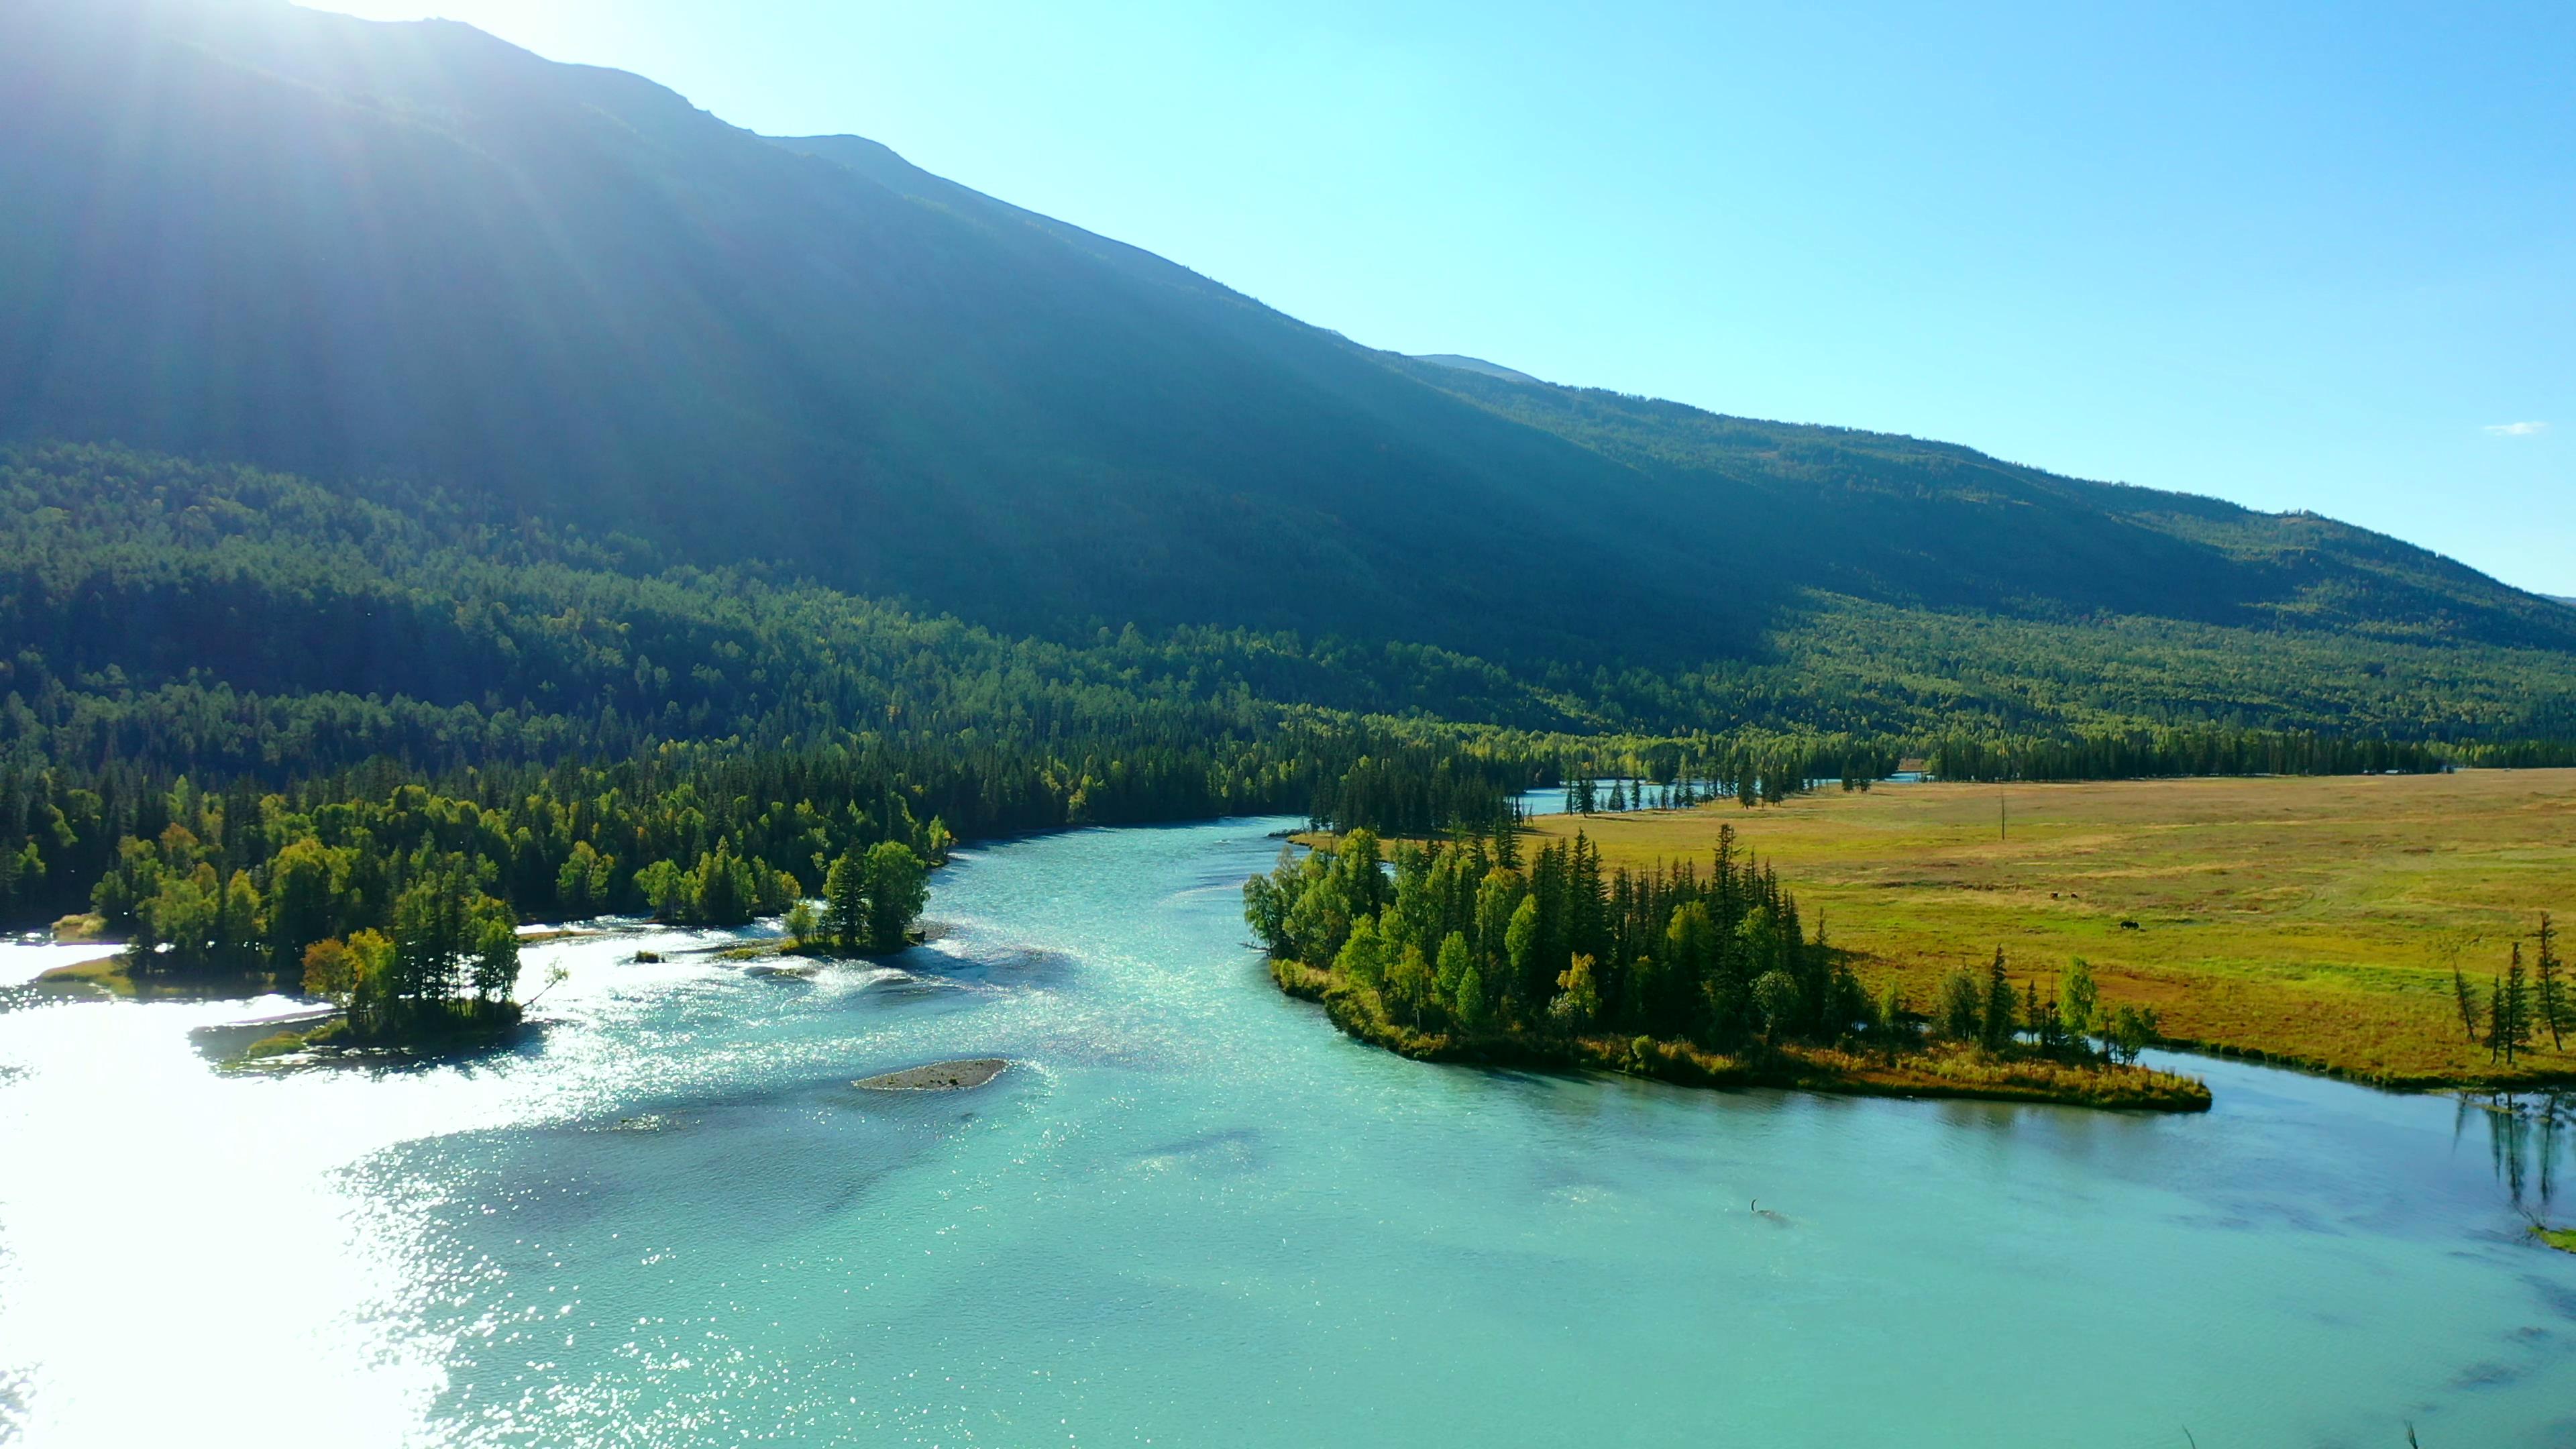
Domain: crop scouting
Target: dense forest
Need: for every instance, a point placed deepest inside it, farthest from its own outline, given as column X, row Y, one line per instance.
column 258, row 660
column 1458, row 946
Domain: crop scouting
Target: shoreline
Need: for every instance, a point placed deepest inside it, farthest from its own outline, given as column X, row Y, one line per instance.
column 109, row 976
column 1805, row 1069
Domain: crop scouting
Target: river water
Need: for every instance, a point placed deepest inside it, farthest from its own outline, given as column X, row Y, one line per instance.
column 1193, row 1214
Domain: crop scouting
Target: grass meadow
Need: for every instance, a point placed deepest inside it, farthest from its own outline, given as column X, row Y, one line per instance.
column 2313, row 920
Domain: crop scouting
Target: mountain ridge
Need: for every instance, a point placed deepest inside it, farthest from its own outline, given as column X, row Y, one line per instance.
column 613, row 311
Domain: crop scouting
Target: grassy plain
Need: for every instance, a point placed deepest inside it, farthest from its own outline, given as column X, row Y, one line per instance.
column 2314, row 920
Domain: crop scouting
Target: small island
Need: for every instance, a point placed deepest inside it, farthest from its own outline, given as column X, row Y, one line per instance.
column 957, row 1076
column 1705, row 978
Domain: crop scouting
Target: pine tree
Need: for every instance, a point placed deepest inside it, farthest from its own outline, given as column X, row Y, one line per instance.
column 2465, row 997
column 845, row 903
column 2550, row 992
column 2513, row 1010
column 1996, row 1031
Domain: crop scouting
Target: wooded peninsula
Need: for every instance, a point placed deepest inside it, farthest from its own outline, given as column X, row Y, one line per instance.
column 1458, row 953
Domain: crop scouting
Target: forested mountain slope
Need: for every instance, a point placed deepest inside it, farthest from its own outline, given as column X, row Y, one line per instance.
column 226, row 620
column 353, row 250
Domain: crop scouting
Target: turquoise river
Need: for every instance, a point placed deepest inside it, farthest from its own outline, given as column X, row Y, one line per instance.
column 1192, row 1214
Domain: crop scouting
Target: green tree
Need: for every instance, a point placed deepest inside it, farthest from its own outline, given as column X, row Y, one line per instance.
column 1357, row 870
column 1520, row 945
column 1318, row 921
column 581, row 886
column 803, row 925
column 1995, row 1029
column 898, row 889
column 2509, row 1020
column 2079, row 1000
column 1776, row 996
column 1962, row 1012
column 1452, row 966
column 663, row 887
column 2133, row 1030
column 1891, row 1014
column 845, row 903
column 308, row 891
column 1409, row 987
column 240, row 927
column 495, row 967
column 1475, row 1014
column 2549, row 994
column 1690, row 950
column 433, row 933
column 1363, row 957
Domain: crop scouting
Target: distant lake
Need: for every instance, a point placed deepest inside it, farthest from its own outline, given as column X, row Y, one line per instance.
column 1193, row 1214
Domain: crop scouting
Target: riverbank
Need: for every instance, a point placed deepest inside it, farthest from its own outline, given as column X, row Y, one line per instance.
column 109, row 975
column 1360, row 1013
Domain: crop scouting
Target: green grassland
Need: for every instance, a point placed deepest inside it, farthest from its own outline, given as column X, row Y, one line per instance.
column 2314, row 921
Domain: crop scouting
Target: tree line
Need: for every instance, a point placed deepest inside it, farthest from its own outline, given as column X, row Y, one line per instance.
column 1468, row 937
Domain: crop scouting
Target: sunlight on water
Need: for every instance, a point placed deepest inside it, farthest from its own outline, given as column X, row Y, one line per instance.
column 1190, row 1213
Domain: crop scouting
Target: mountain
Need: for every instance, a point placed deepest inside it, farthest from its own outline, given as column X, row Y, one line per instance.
column 1474, row 364
column 352, row 250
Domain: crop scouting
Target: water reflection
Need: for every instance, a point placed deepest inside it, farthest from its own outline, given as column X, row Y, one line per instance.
column 2531, row 1137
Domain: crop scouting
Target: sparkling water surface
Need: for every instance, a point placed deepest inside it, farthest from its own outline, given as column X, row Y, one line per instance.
column 1193, row 1214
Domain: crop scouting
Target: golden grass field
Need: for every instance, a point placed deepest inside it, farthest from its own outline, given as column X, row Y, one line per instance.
column 2314, row 920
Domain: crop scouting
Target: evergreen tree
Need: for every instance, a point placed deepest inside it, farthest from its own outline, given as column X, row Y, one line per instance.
column 1995, row 1030
column 2511, row 1030
column 845, row 903
column 2549, row 993
column 2465, row 997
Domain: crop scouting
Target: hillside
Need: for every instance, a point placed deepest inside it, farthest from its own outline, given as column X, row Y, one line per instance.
column 353, row 250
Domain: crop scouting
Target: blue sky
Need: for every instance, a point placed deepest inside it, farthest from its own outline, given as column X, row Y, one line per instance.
column 2299, row 256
